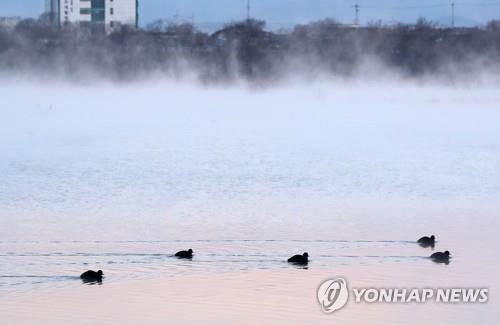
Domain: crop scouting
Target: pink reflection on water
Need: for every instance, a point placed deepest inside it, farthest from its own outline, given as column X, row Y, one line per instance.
column 282, row 296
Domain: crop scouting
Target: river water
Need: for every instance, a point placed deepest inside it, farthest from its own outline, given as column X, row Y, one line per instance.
column 120, row 177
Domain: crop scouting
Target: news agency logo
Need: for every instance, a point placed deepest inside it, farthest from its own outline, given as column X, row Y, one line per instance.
column 333, row 294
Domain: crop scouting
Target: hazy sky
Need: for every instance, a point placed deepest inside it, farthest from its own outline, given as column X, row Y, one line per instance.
column 293, row 11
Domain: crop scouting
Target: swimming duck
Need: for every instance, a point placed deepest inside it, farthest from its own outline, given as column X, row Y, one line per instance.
column 92, row 276
column 185, row 254
column 427, row 241
column 441, row 257
column 299, row 259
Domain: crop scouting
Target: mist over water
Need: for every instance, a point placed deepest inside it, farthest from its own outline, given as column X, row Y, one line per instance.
column 120, row 176
column 166, row 158
column 245, row 51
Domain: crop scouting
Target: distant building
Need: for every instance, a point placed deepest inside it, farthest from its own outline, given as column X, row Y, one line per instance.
column 107, row 13
column 52, row 9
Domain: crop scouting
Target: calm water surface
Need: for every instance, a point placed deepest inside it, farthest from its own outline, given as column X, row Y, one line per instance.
column 120, row 178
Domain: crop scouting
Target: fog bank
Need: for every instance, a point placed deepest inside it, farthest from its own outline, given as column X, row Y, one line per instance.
column 246, row 51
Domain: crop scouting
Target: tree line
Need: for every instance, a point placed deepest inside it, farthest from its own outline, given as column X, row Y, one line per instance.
column 247, row 50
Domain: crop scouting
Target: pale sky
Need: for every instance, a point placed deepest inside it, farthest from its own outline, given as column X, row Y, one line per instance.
column 289, row 12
